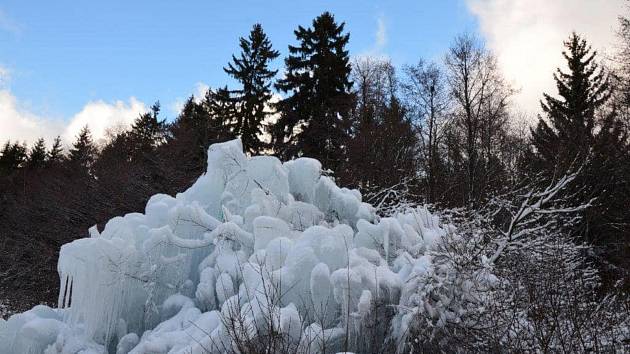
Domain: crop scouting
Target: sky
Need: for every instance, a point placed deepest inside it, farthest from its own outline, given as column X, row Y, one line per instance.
column 67, row 64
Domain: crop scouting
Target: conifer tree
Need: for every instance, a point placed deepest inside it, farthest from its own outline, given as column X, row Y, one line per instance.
column 55, row 154
column 582, row 130
column 6, row 165
column 20, row 153
column 193, row 126
column 192, row 133
column 148, row 130
column 5, row 148
column 198, row 125
column 251, row 70
column 83, row 151
column 37, row 155
column 12, row 157
column 568, row 131
column 221, row 106
column 314, row 118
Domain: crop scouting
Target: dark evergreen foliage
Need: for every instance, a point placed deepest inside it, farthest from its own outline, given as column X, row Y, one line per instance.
column 148, row 131
column 83, row 151
column 568, row 131
column 192, row 129
column 55, row 155
column 582, row 130
column 251, row 70
column 37, row 155
column 222, row 108
column 201, row 124
column 12, row 157
column 314, row 118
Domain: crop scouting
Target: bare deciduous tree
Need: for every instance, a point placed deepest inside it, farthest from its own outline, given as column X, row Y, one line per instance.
column 426, row 94
column 480, row 99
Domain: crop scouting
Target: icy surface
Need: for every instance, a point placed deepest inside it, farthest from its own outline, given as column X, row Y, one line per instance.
column 277, row 245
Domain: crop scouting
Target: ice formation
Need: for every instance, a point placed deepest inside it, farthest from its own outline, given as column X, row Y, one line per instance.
column 278, row 246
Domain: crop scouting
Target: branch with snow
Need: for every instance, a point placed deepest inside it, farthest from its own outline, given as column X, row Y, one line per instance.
column 535, row 212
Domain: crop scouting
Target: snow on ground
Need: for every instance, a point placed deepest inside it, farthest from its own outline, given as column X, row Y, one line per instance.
column 275, row 245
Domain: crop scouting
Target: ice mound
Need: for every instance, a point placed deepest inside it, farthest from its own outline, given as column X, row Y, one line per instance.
column 255, row 246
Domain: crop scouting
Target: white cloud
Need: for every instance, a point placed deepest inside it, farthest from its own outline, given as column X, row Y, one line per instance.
column 19, row 123
column 101, row 116
column 527, row 37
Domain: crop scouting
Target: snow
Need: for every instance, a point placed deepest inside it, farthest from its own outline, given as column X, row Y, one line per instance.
column 276, row 244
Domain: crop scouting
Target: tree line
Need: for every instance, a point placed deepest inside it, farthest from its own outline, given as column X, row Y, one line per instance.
column 443, row 133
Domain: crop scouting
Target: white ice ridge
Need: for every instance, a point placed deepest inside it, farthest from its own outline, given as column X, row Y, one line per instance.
column 277, row 245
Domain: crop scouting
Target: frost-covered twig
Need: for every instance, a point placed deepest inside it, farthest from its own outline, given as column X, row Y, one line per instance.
column 536, row 205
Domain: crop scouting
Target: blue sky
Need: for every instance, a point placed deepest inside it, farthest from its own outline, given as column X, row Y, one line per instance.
column 64, row 64
column 62, row 54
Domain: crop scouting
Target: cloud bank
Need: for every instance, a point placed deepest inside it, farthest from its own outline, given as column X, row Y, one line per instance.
column 102, row 116
column 19, row 123
column 527, row 37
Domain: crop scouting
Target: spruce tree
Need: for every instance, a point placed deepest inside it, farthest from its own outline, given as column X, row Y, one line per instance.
column 20, row 154
column 148, row 130
column 582, row 130
column 5, row 159
column 568, row 131
column 314, row 118
column 194, row 125
column 37, row 155
column 55, row 154
column 12, row 157
column 198, row 126
column 251, row 70
column 83, row 151
column 6, row 163
column 222, row 108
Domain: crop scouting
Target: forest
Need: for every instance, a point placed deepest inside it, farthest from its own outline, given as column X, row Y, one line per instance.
column 544, row 201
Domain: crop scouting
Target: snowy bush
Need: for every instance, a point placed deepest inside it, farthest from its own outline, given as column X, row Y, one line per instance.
column 510, row 280
column 264, row 256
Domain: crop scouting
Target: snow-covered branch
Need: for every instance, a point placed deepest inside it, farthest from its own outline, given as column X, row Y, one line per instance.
column 536, row 206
